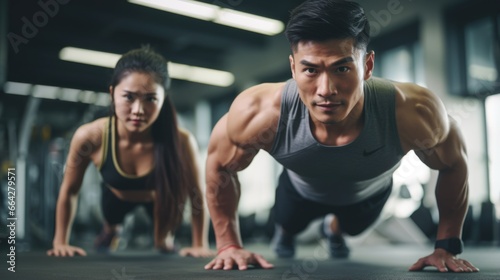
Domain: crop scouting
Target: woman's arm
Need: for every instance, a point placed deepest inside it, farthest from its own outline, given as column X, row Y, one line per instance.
column 79, row 156
column 199, row 213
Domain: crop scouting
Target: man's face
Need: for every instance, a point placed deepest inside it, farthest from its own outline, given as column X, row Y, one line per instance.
column 330, row 77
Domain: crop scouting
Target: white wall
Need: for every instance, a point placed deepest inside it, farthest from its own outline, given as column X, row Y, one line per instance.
column 493, row 117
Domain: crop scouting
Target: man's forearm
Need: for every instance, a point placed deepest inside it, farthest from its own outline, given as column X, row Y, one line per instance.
column 452, row 200
column 223, row 194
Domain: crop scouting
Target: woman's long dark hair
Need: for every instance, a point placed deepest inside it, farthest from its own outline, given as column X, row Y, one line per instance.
column 170, row 175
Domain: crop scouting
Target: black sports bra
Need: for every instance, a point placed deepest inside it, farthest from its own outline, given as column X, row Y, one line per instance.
column 111, row 172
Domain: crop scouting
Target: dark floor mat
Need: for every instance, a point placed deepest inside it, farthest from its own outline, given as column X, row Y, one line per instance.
column 365, row 263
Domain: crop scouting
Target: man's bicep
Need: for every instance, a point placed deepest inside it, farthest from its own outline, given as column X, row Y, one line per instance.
column 421, row 118
column 224, row 153
column 448, row 153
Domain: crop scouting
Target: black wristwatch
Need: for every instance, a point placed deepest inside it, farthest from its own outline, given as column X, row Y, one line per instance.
column 453, row 245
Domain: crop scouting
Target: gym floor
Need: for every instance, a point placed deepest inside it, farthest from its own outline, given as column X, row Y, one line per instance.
column 311, row 262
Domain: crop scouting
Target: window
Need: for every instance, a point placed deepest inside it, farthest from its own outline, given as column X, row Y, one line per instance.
column 474, row 61
column 402, row 64
column 480, row 69
column 473, row 30
column 399, row 55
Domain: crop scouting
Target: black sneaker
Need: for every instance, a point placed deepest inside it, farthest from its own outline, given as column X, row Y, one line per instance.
column 336, row 244
column 106, row 242
column 168, row 250
column 283, row 243
column 338, row 247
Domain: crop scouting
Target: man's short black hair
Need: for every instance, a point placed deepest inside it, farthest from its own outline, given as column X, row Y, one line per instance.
column 321, row 20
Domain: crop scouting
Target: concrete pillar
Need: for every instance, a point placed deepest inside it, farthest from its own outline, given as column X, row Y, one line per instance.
column 4, row 18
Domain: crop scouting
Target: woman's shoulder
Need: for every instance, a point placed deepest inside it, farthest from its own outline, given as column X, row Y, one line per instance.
column 86, row 144
column 91, row 132
column 184, row 134
column 187, row 139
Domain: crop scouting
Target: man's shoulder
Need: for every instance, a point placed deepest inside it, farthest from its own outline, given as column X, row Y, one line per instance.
column 413, row 93
column 258, row 98
column 421, row 114
column 255, row 111
column 263, row 89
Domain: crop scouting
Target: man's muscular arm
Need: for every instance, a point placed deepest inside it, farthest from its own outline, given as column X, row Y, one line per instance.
column 437, row 141
column 224, row 160
column 449, row 157
column 425, row 127
column 233, row 144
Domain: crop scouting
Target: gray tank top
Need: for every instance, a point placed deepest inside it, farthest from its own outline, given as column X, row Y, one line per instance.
column 340, row 175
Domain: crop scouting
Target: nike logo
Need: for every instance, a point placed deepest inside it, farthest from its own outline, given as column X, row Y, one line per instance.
column 369, row 153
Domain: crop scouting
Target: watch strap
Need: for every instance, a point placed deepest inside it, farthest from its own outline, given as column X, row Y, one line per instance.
column 452, row 245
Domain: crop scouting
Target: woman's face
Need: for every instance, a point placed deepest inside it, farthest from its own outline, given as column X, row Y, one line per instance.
column 138, row 99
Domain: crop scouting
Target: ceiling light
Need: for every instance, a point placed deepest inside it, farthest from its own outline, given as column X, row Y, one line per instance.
column 176, row 70
column 183, row 7
column 200, row 75
column 69, row 94
column 484, row 73
column 91, row 57
column 87, row 96
column 64, row 94
column 249, row 22
column 46, row 92
column 17, row 88
column 103, row 99
column 216, row 14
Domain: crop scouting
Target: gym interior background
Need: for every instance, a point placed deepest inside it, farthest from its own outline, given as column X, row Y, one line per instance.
column 449, row 46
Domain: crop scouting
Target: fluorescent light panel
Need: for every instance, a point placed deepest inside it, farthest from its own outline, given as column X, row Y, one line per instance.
column 484, row 73
column 69, row 94
column 91, row 57
column 182, row 7
column 87, row 96
column 64, row 94
column 46, row 92
column 17, row 88
column 249, row 22
column 216, row 14
column 103, row 99
column 200, row 75
column 176, row 70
